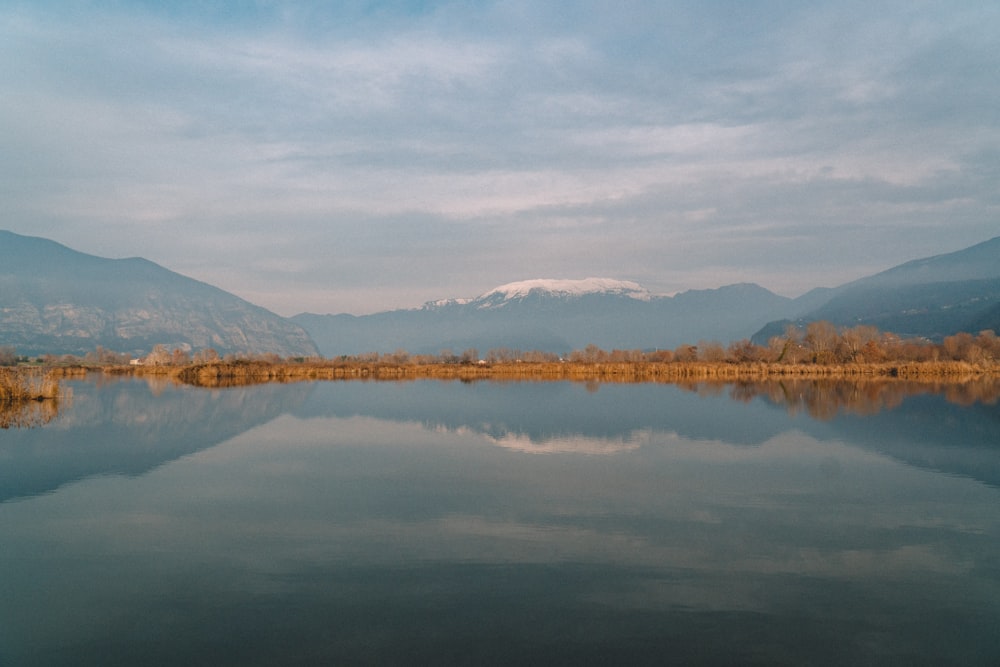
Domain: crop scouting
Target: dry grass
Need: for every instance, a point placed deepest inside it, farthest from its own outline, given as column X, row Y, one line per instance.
column 28, row 397
column 218, row 374
column 31, row 396
column 27, row 384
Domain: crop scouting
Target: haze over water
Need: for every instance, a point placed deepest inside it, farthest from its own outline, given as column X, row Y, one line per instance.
column 488, row 523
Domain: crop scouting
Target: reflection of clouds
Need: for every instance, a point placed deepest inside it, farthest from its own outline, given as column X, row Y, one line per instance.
column 570, row 443
column 902, row 562
column 714, row 507
column 314, row 522
column 296, row 508
column 703, row 549
column 573, row 444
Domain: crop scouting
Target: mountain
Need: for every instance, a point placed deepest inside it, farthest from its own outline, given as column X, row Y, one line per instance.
column 56, row 300
column 554, row 316
column 978, row 262
column 931, row 297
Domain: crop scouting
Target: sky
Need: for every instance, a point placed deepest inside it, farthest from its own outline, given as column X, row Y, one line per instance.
column 361, row 156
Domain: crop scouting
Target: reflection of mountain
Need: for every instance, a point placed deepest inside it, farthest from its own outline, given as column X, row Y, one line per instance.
column 130, row 427
column 951, row 428
column 542, row 412
column 918, row 429
column 926, row 432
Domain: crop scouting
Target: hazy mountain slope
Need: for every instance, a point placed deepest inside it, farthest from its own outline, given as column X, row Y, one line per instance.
column 931, row 297
column 554, row 316
column 55, row 299
column 929, row 309
column 988, row 319
column 978, row 262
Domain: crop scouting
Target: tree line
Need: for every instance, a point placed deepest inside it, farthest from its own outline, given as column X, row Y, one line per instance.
column 820, row 343
column 816, row 343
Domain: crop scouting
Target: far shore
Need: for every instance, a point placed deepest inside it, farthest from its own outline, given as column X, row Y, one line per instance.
column 31, row 395
column 225, row 373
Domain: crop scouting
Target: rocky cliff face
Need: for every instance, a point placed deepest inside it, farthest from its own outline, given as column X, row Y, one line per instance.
column 56, row 300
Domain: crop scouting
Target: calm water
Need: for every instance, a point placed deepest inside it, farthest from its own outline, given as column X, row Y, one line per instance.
column 488, row 523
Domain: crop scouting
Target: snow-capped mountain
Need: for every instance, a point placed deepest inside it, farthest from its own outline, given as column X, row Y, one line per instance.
column 545, row 289
column 932, row 297
column 560, row 289
column 554, row 315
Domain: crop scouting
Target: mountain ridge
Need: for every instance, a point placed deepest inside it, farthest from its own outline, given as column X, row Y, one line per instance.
column 928, row 297
column 54, row 299
column 554, row 287
column 554, row 315
column 931, row 297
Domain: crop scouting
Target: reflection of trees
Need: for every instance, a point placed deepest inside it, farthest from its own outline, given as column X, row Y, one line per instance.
column 826, row 398
column 25, row 414
column 972, row 392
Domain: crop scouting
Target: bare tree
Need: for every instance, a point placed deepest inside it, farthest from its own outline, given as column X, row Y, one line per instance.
column 160, row 356
column 711, row 351
column 821, row 341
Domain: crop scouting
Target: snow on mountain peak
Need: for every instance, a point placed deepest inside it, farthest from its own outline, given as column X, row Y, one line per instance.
column 566, row 288
column 445, row 303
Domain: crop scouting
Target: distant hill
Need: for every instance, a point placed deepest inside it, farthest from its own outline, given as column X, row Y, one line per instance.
column 554, row 316
column 931, row 297
column 978, row 262
column 56, row 300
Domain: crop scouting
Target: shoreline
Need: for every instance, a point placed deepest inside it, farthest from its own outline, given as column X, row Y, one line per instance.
column 253, row 372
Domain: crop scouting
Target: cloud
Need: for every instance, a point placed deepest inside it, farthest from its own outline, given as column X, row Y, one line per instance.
column 367, row 155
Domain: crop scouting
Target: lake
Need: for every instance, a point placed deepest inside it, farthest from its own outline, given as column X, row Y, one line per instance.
column 434, row 522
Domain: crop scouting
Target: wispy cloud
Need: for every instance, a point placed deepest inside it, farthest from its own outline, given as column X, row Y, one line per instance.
column 378, row 157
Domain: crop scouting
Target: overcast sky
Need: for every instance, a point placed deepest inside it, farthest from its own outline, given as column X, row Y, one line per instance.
column 360, row 156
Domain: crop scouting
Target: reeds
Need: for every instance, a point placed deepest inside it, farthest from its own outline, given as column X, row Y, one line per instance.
column 27, row 384
column 218, row 374
column 28, row 397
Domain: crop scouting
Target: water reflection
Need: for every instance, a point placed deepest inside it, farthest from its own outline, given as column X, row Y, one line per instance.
column 825, row 399
column 912, row 423
column 440, row 523
column 578, row 444
column 128, row 427
column 27, row 414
